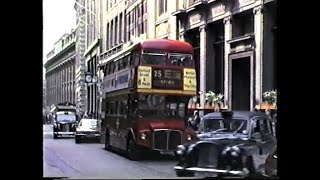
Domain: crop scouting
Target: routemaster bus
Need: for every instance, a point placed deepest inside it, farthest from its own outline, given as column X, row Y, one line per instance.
column 146, row 88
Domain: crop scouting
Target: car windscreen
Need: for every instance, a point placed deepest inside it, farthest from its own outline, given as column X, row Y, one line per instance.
column 66, row 117
column 224, row 125
column 90, row 123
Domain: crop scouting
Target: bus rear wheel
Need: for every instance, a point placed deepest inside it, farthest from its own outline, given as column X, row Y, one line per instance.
column 107, row 142
column 133, row 151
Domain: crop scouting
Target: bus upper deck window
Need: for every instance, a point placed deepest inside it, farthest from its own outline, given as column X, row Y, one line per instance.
column 154, row 58
column 184, row 60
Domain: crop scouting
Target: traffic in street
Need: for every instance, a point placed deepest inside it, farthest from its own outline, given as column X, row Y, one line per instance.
column 63, row 158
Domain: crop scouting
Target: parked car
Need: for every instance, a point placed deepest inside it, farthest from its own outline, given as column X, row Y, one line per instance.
column 88, row 129
column 228, row 144
column 271, row 169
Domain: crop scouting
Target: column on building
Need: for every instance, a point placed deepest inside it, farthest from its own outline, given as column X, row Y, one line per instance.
column 49, row 95
column 96, row 86
column 62, row 84
column 68, row 82
column 50, row 89
column 61, row 87
column 88, row 89
column 57, row 85
column 181, row 30
column 73, row 81
column 94, row 99
column 203, row 57
column 53, row 87
column 65, row 70
column 258, row 30
column 91, row 87
column 227, row 36
column 64, row 75
column 48, row 77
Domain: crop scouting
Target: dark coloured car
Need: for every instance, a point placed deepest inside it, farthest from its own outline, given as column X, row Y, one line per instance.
column 229, row 144
column 88, row 129
column 64, row 123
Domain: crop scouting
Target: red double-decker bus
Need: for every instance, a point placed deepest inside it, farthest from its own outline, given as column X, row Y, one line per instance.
column 146, row 89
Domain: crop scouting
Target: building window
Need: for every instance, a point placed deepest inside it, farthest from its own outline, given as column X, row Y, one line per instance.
column 116, row 32
column 144, row 17
column 120, row 28
column 135, row 21
column 127, row 24
column 162, row 7
column 131, row 24
column 140, row 16
column 111, row 34
column 108, row 37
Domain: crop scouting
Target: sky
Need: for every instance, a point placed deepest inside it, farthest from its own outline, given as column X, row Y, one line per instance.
column 59, row 17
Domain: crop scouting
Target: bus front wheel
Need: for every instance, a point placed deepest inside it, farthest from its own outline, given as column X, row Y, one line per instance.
column 133, row 151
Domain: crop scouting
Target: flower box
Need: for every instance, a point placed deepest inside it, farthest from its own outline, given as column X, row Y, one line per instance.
column 266, row 106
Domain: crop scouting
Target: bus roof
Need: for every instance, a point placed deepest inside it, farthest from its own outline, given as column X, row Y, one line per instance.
column 169, row 45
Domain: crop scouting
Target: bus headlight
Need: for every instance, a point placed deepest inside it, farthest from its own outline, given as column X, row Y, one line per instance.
column 143, row 136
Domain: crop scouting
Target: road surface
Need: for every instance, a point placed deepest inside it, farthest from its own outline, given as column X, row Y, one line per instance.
column 64, row 158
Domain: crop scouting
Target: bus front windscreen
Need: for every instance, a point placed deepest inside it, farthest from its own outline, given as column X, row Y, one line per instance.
column 162, row 106
column 170, row 59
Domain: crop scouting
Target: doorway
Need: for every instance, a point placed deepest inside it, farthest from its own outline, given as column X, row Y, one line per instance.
column 241, row 83
column 192, row 36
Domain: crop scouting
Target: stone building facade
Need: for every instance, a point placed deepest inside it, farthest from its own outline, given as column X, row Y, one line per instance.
column 80, row 66
column 235, row 47
column 91, row 54
column 60, row 71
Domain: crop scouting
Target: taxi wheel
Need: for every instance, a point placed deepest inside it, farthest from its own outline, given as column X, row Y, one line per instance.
column 77, row 140
column 55, row 136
